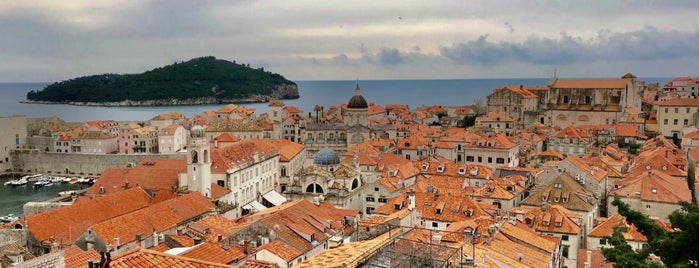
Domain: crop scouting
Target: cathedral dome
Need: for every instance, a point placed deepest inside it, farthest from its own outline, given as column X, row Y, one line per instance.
column 327, row 157
column 357, row 101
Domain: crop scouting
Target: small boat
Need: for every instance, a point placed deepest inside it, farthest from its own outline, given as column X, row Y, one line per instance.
column 48, row 184
column 39, row 184
column 56, row 179
column 9, row 218
column 19, row 182
column 8, row 182
column 67, row 193
column 66, row 179
column 73, row 180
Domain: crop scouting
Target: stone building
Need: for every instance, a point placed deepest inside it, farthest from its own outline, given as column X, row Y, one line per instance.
column 590, row 101
column 521, row 103
column 13, row 134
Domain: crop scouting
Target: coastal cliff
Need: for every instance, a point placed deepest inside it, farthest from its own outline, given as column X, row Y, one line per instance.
column 204, row 80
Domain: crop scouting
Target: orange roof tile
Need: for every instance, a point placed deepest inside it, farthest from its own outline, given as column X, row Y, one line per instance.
column 212, row 226
column 679, row 102
column 155, row 218
column 596, row 258
column 654, row 186
column 590, row 83
column 215, row 252
column 218, row 191
column 65, row 224
column 75, row 257
column 258, row 264
column 144, row 258
column 181, row 240
column 541, row 219
column 606, row 228
column 227, row 137
column 239, row 154
column 287, row 149
column 151, row 174
column 281, row 250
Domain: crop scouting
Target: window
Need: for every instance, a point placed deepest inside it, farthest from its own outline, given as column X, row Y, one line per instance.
column 565, row 238
column 686, row 122
column 557, row 185
column 376, row 189
column 370, row 199
column 666, row 110
column 369, row 210
column 674, row 122
column 383, row 200
column 490, row 160
column 435, row 224
column 500, row 160
column 664, row 121
column 603, row 241
column 480, row 159
column 469, row 158
column 677, row 110
column 687, row 109
column 648, row 206
column 565, row 251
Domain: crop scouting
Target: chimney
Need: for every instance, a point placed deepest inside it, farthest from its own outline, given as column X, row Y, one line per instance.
column 116, row 243
column 126, row 185
column 197, row 240
column 219, row 238
column 543, row 206
column 215, row 143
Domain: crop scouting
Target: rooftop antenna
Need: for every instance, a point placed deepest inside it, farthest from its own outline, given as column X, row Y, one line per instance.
column 555, row 72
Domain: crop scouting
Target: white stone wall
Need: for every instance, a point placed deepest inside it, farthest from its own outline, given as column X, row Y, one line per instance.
column 652, row 209
column 13, row 129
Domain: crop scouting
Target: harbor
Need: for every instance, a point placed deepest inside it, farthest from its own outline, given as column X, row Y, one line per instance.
column 13, row 198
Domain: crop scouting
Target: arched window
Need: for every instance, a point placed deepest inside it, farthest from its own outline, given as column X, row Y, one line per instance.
column 355, row 184
column 314, row 188
column 283, row 171
column 206, row 156
column 195, row 157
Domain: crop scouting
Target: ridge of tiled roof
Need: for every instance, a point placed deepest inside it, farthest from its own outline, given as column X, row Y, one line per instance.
column 281, row 250
column 239, row 154
column 563, row 191
column 67, row 223
column 653, row 186
column 606, row 228
column 215, row 253
column 144, row 258
column 451, row 208
column 349, row 254
column 588, row 83
column 287, row 149
column 543, row 219
column 155, row 218
column 75, row 257
column 151, row 174
column 210, row 227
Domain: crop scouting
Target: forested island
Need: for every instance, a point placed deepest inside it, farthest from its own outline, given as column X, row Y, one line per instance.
column 204, row 80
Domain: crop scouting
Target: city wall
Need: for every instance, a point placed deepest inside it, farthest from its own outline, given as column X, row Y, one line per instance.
column 37, row 161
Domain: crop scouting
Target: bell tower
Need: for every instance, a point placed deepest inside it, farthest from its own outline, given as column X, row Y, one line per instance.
column 198, row 162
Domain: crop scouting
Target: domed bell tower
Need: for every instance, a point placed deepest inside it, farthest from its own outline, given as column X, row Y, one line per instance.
column 198, row 162
column 357, row 110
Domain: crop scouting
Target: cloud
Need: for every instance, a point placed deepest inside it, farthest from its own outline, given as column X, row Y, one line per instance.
column 648, row 43
column 389, row 56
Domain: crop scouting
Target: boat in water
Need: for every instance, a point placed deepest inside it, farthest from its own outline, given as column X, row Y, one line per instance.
column 68, row 193
column 9, row 218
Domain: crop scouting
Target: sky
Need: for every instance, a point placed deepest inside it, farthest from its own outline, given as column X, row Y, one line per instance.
column 48, row 41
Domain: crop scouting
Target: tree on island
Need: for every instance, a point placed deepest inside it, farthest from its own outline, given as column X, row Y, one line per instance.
column 676, row 248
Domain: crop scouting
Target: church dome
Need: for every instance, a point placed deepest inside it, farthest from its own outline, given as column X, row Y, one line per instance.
column 327, row 157
column 197, row 132
column 357, row 101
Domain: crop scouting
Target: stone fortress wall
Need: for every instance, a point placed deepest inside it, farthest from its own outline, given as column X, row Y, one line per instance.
column 37, row 161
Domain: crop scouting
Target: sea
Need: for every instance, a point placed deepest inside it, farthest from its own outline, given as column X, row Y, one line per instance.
column 415, row 93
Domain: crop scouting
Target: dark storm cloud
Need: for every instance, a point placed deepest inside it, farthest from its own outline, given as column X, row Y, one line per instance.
column 648, row 43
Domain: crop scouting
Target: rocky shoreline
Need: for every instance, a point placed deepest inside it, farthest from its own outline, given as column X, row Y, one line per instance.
column 285, row 92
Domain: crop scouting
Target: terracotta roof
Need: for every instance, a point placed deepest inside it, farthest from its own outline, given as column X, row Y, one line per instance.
column 212, row 226
column 551, row 219
column 155, row 218
column 162, row 247
column 168, row 116
column 596, row 258
column 281, row 250
column 75, row 257
column 349, row 255
column 65, row 224
column 654, row 186
column 573, row 132
column 563, row 191
column 595, row 172
column 520, row 232
column 181, row 240
column 151, row 174
column 239, row 154
column 92, row 135
column 299, row 222
column 144, row 258
column 218, row 191
column 226, row 137
column 590, row 83
column 552, row 153
column 258, row 264
column 215, row 252
column 438, row 206
column 287, row 149
column 679, row 102
column 606, row 227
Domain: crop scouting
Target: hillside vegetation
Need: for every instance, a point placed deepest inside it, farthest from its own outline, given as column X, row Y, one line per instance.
column 209, row 79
